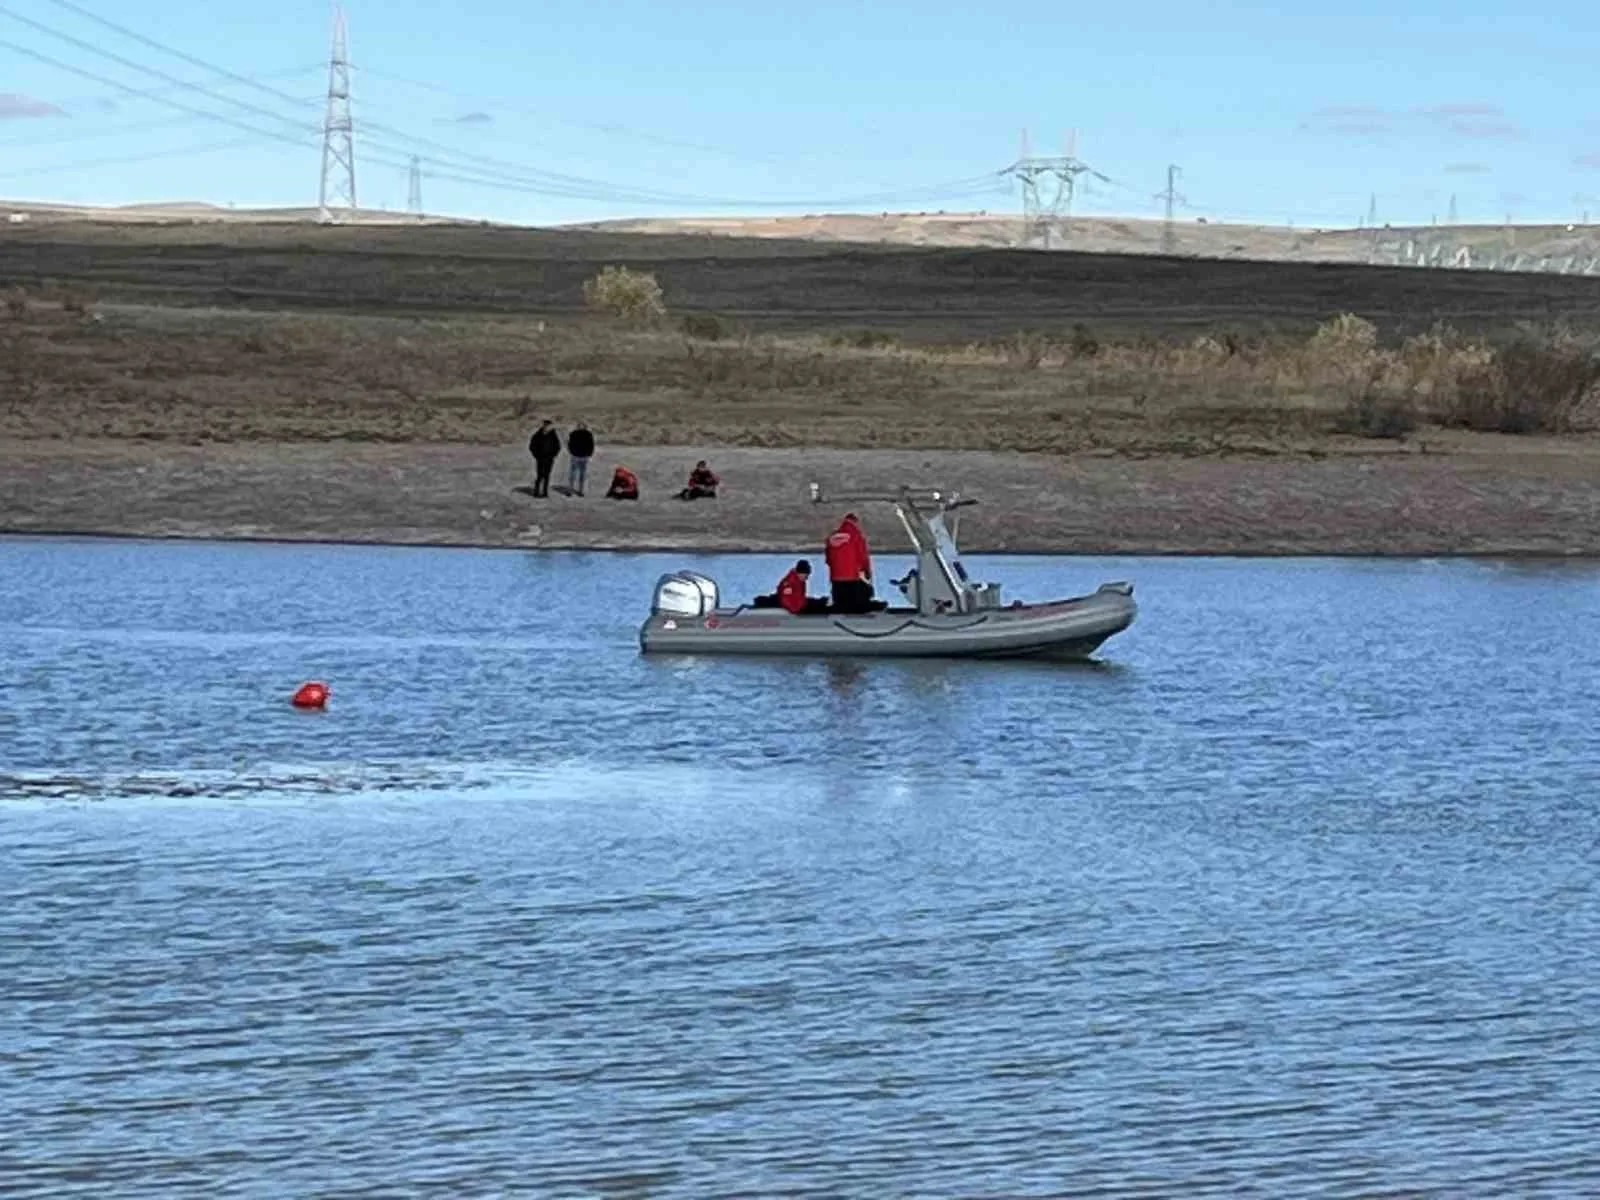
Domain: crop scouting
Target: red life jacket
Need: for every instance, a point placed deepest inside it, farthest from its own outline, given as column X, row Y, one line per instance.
column 792, row 591
column 846, row 551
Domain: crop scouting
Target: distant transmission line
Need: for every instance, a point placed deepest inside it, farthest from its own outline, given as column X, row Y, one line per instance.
column 449, row 163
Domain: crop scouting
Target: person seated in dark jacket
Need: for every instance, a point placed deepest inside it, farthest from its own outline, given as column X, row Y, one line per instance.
column 624, row 485
column 702, row 483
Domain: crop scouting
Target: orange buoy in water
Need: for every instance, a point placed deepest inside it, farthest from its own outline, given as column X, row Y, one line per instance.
column 310, row 695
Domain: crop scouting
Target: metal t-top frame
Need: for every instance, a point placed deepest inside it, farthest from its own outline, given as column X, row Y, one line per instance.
column 939, row 583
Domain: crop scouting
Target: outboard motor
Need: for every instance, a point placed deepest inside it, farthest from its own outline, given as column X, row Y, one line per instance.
column 685, row 594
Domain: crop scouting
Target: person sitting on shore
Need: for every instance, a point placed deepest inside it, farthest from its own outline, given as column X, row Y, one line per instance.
column 624, row 485
column 791, row 594
column 702, row 483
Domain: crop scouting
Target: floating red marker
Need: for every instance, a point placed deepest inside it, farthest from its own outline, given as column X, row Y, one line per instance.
column 310, row 695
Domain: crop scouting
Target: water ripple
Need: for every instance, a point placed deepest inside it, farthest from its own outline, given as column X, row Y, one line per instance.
column 1297, row 897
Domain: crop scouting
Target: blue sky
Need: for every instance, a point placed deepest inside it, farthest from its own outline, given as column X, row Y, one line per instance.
column 633, row 108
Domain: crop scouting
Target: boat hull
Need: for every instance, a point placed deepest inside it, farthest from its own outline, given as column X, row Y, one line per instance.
column 1063, row 630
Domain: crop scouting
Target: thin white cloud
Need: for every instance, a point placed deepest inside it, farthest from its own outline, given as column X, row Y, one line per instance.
column 15, row 107
column 1474, row 120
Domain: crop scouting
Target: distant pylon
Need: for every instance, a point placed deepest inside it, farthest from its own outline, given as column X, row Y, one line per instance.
column 1372, row 211
column 414, row 188
column 1169, row 232
column 1044, row 215
column 338, row 129
column 1452, row 217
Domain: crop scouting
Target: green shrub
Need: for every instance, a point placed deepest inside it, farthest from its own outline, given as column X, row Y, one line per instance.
column 632, row 296
column 1529, row 386
column 1373, row 412
column 1346, row 341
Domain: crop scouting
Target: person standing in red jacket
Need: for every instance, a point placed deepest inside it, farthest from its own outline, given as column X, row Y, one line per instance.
column 850, row 567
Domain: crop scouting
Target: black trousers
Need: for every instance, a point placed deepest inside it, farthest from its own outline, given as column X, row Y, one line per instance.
column 852, row 596
column 541, row 475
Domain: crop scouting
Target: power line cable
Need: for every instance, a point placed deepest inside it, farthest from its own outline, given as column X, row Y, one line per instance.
column 604, row 127
column 135, row 66
column 463, row 166
column 177, row 104
column 77, row 102
column 90, row 135
column 127, row 159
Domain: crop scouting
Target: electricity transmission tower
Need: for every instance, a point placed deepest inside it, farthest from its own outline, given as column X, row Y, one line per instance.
column 338, row 129
column 1372, row 211
column 1451, row 219
column 1169, row 232
column 414, row 188
column 1048, row 186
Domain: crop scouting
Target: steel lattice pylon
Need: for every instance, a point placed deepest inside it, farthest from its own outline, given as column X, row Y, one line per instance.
column 1048, row 186
column 338, row 130
column 414, row 188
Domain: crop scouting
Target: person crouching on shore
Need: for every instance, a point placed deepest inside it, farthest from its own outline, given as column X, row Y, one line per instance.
column 624, row 485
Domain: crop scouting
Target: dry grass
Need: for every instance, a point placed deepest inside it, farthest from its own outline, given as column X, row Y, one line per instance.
column 69, row 368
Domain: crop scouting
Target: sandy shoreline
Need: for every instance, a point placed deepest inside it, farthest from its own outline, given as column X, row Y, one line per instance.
column 1483, row 497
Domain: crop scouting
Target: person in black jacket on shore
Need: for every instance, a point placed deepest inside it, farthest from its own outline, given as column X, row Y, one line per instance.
column 580, row 447
column 544, row 445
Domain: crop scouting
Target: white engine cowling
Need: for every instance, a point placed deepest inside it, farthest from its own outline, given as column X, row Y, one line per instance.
column 685, row 594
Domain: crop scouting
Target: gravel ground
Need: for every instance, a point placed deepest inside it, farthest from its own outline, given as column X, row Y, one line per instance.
column 1468, row 496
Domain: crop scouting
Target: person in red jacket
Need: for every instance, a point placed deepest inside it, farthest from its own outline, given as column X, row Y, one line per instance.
column 792, row 591
column 850, row 568
column 624, row 485
column 791, row 594
column 703, row 483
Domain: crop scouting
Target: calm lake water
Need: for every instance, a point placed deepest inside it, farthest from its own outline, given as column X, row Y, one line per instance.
column 1295, row 894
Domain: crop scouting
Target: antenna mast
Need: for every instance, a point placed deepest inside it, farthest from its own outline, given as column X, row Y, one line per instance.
column 338, row 129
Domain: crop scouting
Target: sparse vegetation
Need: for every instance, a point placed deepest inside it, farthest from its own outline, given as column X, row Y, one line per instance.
column 864, row 339
column 855, row 347
column 160, row 373
column 1529, row 386
column 704, row 327
column 631, row 296
column 1083, row 344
